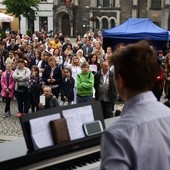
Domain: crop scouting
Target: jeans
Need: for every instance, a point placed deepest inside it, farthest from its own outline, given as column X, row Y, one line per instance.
column 7, row 104
column 83, row 99
column 107, row 109
column 22, row 101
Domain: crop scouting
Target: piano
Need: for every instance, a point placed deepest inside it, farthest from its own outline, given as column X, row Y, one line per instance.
column 82, row 153
column 15, row 155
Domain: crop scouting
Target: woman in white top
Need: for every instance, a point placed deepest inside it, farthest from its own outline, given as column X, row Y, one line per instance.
column 79, row 54
column 76, row 69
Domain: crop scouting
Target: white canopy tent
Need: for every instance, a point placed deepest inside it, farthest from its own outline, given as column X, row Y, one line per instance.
column 5, row 18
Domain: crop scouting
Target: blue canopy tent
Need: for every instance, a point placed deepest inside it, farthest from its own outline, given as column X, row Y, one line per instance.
column 135, row 29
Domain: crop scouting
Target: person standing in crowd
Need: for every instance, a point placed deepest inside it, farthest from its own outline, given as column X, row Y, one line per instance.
column 94, row 66
column 87, row 49
column 108, row 54
column 50, row 99
column 12, row 46
column 11, row 60
column 55, row 43
column 140, row 138
column 34, row 86
column 52, row 76
column 167, row 79
column 67, row 87
column 159, row 83
column 8, row 84
column 80, row 55
column 105, row 89
column 36, row 59
column 21, row 75
column 84, row 84
column 75, row 69
column 3, row 55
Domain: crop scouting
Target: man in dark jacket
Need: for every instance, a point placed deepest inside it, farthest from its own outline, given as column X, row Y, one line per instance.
column 105, row 89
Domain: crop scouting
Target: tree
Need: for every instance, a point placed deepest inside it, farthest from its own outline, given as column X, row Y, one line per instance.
column 21, row 7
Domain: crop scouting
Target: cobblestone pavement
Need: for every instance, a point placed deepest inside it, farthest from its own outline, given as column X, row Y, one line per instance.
column 10, row 128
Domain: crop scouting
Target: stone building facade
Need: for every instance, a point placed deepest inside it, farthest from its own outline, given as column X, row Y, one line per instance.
column 73, row 17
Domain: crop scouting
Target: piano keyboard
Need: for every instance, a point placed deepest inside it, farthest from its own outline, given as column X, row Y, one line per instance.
column 85, row 159
column 86, row 162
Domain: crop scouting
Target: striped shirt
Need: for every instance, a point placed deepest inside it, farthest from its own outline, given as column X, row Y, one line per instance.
column 140, row 139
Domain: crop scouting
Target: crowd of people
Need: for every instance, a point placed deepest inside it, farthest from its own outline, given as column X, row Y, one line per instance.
column 62, row 71
column 71, row 72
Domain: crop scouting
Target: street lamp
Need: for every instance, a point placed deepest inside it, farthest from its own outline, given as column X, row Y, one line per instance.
column 92, row 10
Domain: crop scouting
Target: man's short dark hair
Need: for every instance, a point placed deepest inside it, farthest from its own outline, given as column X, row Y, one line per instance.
column 137, row 64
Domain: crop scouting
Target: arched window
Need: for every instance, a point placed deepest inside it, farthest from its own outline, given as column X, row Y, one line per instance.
column 97, row 24
column 105, row 23
column 112, row 23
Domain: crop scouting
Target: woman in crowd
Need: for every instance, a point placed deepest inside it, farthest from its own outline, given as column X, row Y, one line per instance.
column 79, row 54
column 94, row 66
column 8, row 84
column 58, row 56
column 11, row 60
column 75, row 69
column 52, row 76
column 109, row 53
column 21, row 75
column 36, row 60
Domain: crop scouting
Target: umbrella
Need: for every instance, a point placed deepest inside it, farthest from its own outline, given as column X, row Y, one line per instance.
column 5, row 18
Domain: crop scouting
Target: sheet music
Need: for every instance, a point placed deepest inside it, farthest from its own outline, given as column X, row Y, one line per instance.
column 42, row 100
column 93, row 67
column 76, row 117
column 41, row 131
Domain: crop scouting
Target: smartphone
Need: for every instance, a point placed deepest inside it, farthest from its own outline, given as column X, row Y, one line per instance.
column 93, row 128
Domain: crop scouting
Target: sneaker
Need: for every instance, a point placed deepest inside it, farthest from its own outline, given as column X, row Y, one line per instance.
column 5, row 115
column 19, row 114
column 8, row 114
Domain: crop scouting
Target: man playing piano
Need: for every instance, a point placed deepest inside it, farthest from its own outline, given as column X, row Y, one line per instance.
column 140, row 139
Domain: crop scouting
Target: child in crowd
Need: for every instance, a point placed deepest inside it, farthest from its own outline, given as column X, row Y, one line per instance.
column 34, row 88
column 84, row 84
column 67, row 87
column 8, row 85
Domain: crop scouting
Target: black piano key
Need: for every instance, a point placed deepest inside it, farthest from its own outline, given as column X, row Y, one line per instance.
column 75, row 163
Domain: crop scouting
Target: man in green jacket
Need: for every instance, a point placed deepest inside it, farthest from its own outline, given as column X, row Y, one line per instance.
column 84, row 84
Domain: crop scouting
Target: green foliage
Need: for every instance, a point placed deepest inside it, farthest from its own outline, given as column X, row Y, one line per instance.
column 21, row 7
column 29, row 33
column 2, row 35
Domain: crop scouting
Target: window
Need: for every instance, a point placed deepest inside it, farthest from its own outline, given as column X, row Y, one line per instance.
column 105, row 23
column 43, row 21
column 156, row 4
column 106, row 3
column 112, row 23
column 97, row 24
column 43, row 0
